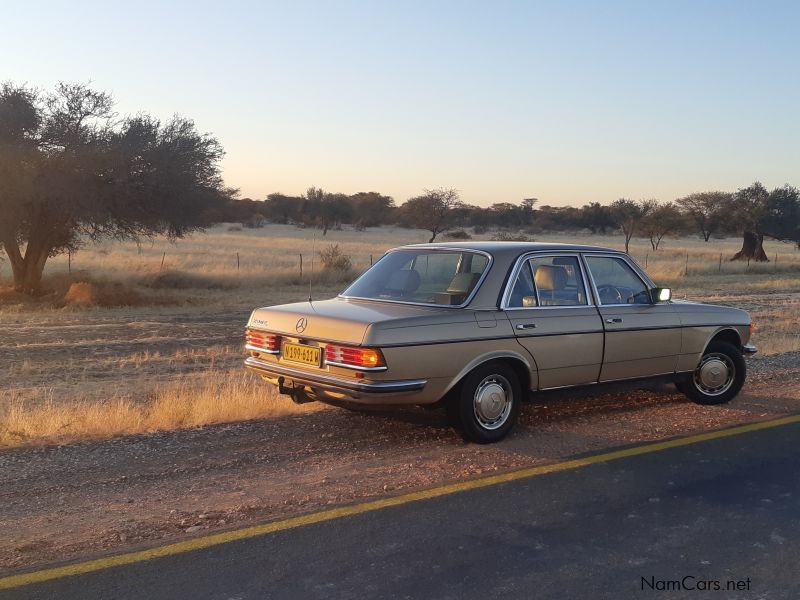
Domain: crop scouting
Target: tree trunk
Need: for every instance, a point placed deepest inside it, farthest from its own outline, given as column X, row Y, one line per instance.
column 27, row 270
column 752, row 248
column 433, row 237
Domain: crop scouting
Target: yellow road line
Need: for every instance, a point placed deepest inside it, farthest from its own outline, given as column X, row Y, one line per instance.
column 208, row 541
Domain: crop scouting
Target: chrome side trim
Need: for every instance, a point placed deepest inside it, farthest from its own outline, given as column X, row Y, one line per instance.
column 749, row 349
column 333, row 383
column 520, row 261
column 634, row 267
column 447, row 249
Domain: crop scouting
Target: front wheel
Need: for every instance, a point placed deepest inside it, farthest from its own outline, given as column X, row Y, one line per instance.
column 718, row 377
column 487, row 403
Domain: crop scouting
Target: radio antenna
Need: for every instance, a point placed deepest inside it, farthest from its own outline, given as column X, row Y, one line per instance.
column 311, row 278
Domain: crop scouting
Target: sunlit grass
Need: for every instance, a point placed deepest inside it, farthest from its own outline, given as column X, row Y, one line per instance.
column 214, row 397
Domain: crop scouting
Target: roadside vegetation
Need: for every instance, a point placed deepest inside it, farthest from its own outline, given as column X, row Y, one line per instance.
column 190, row 401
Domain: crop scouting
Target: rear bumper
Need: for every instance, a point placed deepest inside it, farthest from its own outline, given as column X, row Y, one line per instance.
column 749, row 349
column 326, row 384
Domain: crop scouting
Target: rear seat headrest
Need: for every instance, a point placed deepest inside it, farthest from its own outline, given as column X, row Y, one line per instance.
column 403, row 281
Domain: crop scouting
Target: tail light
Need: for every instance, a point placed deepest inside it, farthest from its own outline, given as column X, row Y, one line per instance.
column 260, row 341
column 366, row 359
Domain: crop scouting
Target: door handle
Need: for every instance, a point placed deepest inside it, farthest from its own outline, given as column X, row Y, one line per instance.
column 526, row 326
column 614, row 320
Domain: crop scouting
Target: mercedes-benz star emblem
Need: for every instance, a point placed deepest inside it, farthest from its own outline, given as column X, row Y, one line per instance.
column 301, row 325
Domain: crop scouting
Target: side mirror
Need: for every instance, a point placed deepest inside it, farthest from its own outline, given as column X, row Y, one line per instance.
column 528, row 301
column 660, row 295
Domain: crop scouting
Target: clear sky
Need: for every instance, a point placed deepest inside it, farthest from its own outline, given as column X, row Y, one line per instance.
column 566, row 101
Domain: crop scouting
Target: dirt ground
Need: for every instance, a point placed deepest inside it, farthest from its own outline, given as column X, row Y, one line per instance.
column 65, row 502
column 64, row 356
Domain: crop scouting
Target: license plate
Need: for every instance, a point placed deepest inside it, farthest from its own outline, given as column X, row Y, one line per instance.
column 308, row 355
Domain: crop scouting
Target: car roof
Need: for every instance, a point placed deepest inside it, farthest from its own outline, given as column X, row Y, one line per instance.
column 514, row 248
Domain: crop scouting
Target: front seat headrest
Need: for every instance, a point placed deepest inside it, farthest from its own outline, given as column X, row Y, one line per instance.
column 549, row 278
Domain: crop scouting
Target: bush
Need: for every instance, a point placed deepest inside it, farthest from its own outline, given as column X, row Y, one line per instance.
column 480, row 229
column 236, row 227
column 458, row 234
column 504, row 236
column 256, row 221
column 333, row 259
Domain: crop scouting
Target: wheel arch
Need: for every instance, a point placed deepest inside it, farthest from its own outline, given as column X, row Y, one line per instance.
column 725, row 334
column 524, row 368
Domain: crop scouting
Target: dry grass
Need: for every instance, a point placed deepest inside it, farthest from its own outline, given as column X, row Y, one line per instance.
column 205, row 269
column 55, row 390
column 220, row 397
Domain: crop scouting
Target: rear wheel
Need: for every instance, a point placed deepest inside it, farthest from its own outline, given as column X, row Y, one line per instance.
column 718, row 377
column 487, row 403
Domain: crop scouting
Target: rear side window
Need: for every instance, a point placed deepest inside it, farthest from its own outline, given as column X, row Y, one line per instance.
column 549, row 281
column 616, row 282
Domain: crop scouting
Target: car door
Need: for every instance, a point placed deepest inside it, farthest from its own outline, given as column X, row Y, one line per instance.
column 553, row 317
column 642, row 338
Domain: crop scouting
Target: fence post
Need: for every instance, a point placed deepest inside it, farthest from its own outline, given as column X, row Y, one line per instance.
column 719, row 269
column 163, row 256
column 370, row 260
column 69, row 261
column 646, row 256
column 237, row 262
column 301, row 266
column 686, row 270
column 776, row 262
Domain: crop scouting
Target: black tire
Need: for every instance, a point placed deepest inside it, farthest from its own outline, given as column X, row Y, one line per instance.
column 725, row 354
column 490, row 388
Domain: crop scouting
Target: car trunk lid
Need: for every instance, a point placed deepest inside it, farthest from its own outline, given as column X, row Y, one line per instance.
column 339, row 320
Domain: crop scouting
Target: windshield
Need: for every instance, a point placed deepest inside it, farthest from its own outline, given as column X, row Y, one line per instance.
column 445, row 277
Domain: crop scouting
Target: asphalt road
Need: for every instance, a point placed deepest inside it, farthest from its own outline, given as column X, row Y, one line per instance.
column 716, row 511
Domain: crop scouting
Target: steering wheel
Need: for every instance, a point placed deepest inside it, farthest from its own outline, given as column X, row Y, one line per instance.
column 609, row 294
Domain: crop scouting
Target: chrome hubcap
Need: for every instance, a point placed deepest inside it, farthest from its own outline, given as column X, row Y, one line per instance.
column 714, row 375
column 493, row 401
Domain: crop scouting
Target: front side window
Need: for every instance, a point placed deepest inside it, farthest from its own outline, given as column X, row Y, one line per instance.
column 548, row 281
column 422, row 277
column 616, row 281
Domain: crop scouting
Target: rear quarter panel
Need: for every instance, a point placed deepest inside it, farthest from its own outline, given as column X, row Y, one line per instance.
column 444, row 350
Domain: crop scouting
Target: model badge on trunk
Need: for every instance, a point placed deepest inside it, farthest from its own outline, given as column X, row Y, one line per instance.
column 301, row 325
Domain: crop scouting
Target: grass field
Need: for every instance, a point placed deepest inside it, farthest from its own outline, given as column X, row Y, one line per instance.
column 151, row 338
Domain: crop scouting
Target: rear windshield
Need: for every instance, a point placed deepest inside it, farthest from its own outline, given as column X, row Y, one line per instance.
column 422, row 277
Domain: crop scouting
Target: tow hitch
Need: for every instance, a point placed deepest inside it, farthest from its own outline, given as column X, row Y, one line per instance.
column 296, row 393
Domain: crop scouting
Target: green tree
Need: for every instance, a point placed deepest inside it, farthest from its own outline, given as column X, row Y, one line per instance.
column 433, row 211
column 662, row 220
column 706, row 210
column 70, row 171
column 596, row 217
column 629, row 214
column 748, row 207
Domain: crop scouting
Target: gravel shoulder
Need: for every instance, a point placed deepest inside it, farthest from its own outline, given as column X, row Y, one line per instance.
column 67, row 502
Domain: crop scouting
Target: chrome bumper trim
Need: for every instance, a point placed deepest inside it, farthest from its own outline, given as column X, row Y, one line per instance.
column 330, row 382
column 354, row 367
column 260, row 349
column 749, row 349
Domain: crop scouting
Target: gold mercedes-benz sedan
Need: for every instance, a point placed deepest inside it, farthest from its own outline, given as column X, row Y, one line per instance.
column 478, row 326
